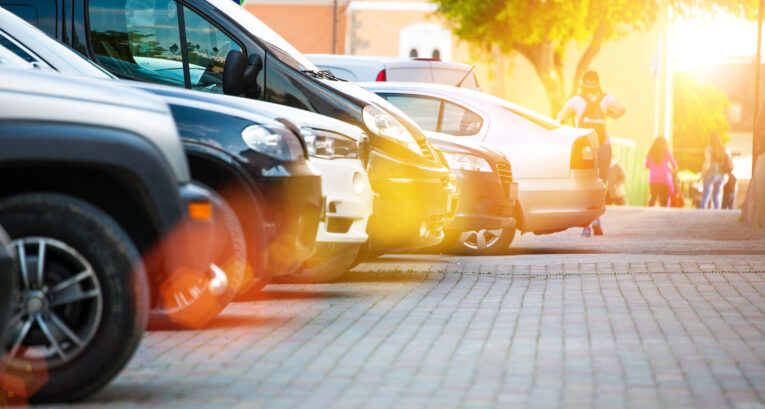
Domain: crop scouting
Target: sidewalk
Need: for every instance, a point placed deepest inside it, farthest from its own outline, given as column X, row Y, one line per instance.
column 410, row 334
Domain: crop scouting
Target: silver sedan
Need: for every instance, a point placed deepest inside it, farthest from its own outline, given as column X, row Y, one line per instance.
column 555, row 166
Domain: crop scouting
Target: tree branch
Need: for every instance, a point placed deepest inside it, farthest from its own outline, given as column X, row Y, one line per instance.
column 589, row 54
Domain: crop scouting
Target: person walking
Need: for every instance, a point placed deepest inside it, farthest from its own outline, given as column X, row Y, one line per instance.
column 716, row 164
column 589, row 110
column 662, row 166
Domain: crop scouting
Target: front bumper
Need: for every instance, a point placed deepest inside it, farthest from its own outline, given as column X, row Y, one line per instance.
column 293, row 205
column 484, row 202
column 411, row 203
column 348, row 202
column 552, row 205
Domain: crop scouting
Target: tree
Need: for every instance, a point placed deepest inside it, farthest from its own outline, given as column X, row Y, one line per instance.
column 542, row 30
column 699, row 110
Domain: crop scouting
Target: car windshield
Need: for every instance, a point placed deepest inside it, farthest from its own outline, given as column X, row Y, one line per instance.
column 282, row 50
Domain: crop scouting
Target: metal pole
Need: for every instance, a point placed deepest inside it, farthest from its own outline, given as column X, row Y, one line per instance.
column 334, row 27
column 757, row 69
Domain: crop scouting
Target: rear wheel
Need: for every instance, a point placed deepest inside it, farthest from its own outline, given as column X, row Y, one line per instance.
column 329, row 262
column 81, row 303
column 188, row 299
column 481, row 241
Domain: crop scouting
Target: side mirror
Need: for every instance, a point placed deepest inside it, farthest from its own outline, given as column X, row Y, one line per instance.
column 240, row 72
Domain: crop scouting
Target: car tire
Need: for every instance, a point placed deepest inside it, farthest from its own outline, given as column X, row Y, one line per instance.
column 104, row 304
column 479, row 242
column 329, row 262
column 198, row 307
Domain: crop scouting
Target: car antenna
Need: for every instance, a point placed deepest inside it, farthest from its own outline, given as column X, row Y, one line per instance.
column 459, row 84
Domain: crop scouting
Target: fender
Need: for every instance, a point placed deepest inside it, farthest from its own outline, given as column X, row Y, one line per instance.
column 98, row 148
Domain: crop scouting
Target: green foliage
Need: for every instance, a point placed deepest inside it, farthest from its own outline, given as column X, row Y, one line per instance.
column 541, row 30
column 699, row 110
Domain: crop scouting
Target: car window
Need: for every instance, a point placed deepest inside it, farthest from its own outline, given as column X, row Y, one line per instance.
column 138, row 39
column 208, row 47
column 459, row 121
column 424, row 111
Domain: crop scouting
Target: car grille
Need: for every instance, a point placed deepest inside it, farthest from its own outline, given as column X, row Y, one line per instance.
column 426, row 151
column 505, row 176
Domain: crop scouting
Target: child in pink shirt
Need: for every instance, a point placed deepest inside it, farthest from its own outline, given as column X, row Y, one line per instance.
column 661, row 165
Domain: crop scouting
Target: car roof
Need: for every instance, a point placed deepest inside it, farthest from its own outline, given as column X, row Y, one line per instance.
column 323, row 59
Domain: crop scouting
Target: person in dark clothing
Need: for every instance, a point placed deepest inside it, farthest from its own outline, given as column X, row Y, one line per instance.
column 729, row 192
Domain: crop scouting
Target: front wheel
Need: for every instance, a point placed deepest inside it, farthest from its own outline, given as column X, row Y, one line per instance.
column 188, row 299
column 480, row 242
column 81, row 304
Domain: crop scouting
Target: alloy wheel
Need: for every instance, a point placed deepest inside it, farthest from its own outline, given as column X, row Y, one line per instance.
column 57, row 307
column 480, row 239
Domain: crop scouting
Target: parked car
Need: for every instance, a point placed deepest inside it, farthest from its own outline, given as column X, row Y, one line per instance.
column 365, row 69
column 220, row 44
column 94, row 177
column 486, row 214
column 554, row 165
column 259, row 196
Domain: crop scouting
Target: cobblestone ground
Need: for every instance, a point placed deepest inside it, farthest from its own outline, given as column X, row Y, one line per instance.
column 667, row 310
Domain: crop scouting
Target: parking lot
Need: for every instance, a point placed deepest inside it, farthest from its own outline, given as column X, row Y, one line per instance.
column 666, row 310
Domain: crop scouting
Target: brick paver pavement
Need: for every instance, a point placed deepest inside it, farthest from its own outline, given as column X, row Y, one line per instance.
column 668, row 311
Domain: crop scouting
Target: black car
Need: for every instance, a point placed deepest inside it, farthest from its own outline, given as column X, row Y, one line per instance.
column 485, row 219
column 216, row 46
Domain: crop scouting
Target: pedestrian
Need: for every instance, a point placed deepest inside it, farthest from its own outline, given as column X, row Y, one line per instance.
column 717, row 163
column 729, row 192
column 615, row 187
column 662, row 167
column 589, row 109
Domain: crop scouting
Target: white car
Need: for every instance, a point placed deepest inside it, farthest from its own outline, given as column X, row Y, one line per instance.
column 555, row 166
column 363, row 69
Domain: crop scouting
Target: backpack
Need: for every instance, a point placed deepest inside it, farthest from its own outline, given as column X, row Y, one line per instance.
column 594, row 118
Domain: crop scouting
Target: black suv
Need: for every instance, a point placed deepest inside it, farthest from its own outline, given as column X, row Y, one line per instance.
column 216, row 46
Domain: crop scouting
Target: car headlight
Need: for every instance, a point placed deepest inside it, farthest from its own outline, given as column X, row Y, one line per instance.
column 329, row 145
column 467, row 162
column 278, row 143
column 385, row 125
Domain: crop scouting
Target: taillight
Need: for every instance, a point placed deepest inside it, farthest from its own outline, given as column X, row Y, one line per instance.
column 381, row 77
column 582, row 154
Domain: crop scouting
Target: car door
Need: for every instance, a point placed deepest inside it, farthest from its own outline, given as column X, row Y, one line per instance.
column 161, row 41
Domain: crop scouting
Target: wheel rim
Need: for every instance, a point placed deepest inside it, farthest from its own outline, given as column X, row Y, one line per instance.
column 57, row 307
column 480, row 239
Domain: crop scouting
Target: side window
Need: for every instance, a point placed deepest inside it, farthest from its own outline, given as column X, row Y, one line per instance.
column 458, row 121
column 138, row 39
column 424, row 111
column 207, row 47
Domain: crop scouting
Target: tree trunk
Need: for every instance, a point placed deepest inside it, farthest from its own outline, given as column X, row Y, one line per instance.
column 589, row 54
column 548, row 63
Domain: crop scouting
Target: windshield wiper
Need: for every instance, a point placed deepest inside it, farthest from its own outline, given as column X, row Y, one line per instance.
column 322, row 74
